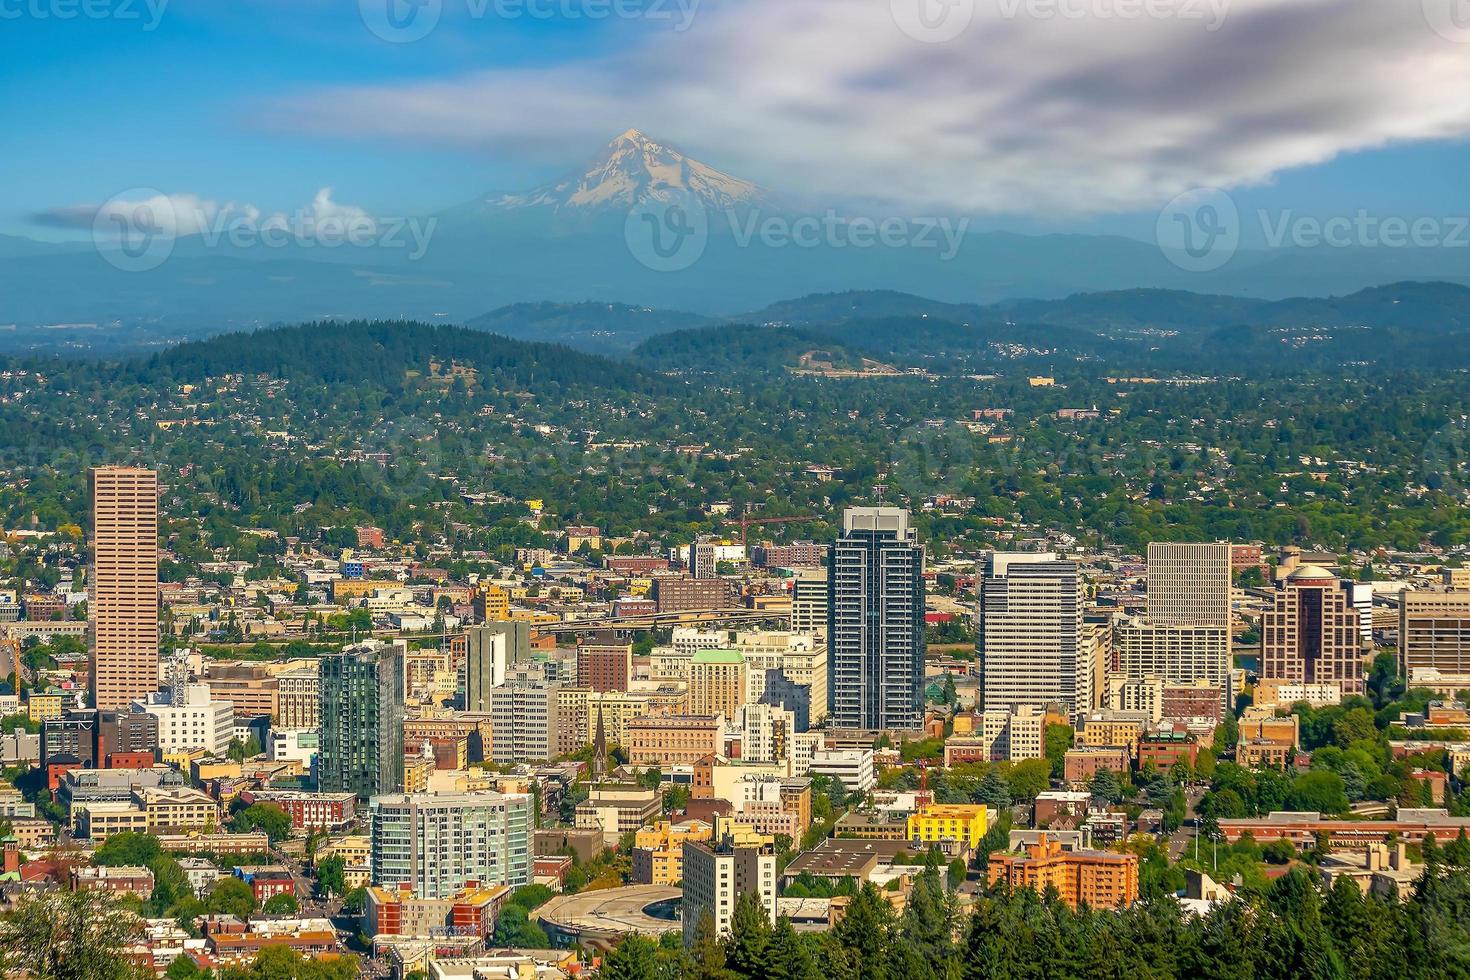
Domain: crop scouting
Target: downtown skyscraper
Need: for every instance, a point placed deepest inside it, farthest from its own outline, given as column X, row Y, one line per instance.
column 1189, row 584
column 1033, row 648
column 361, row 747
column 875, row 622
column 123, row 600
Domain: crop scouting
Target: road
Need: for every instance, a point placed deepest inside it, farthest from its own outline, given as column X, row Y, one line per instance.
column 1183, row 838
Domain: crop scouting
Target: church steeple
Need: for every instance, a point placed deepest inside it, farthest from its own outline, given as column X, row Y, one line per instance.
column 599, row 748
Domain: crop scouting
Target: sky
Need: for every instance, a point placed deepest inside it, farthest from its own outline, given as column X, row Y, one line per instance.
column 1036, row 115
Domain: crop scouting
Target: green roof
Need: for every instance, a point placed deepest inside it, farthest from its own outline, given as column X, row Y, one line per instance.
column 719, row 657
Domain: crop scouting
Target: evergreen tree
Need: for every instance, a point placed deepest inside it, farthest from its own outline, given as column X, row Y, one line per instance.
column 993, row 790
column 750, row 935
column 631, row 959
column 707, row 953
column 865, row 931
column 787, row 956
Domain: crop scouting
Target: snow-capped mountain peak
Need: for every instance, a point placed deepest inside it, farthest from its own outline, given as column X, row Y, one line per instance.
column 631, row 170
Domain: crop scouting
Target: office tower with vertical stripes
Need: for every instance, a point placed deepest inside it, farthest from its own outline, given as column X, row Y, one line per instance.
column 875, row 622
column 1189, row 584
column 124, row 586
column 1032, row 646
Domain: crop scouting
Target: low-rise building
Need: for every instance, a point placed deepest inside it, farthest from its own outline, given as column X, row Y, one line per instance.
column 309, row 811
column 1099, row 879
column 956, row 825
column 658, row 851
column 1081, row 764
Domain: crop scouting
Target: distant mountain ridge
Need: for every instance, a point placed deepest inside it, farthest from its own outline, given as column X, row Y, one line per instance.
column 568, row 241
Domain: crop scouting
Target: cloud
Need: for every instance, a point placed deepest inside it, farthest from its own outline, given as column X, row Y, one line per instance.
column 183, row 215
column 1086, row 111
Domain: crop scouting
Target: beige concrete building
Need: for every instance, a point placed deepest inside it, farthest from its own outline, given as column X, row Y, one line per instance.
column 800, row 656
column 670, row 740
column 716, row 683
column 124, row 585
column 1189, row 584
column 299, row 696
column 1434, row 631
column 809, row 603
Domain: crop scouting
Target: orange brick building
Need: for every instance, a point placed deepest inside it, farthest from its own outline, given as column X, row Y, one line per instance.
column 1101, row 879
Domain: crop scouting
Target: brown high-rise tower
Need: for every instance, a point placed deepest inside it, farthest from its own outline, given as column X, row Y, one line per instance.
column 124, row 586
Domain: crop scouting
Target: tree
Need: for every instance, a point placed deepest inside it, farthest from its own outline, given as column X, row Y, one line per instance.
column 128, row 848
column 1028, row 779
column 633, row 958
column 956, row 873
column 354, row 899
column 788, row 957
column 513, row 927
column 1321, row 790
column 750, row 935
column 283, row 904
column 1279, row 851
column 1059, row 739
column 865, row 931
column 1357, row 724
column 993, row 790
column 230, row 896
column 707, row 953
column 267, row 817
column 67, row 936
column 1105, row 786
column 331, row 875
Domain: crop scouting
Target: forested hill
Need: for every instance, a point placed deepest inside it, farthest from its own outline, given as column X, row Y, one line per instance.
column 384, row 354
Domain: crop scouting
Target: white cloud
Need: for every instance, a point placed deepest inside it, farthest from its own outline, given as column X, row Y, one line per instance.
column 182, row 215
column 1032, row 114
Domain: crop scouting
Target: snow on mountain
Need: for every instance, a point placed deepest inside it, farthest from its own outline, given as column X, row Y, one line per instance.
column 633, row 170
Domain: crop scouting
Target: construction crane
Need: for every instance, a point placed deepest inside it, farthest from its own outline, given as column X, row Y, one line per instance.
column 746, row 522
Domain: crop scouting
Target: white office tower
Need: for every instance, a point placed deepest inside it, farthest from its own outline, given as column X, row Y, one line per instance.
column 1032, row 646
column 1189, row 584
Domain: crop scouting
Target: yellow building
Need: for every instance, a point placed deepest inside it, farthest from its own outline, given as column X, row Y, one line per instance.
column 658, row 851
column 100, row 819
column 492, row 604
column 355, row 849
column 43, row 705
column 202, row 768
column 964, row 823
column 176, row 810
column 344, row 590
column 416, row 773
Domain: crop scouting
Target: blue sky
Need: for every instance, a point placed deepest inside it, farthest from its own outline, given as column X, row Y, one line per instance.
column 1319, row 106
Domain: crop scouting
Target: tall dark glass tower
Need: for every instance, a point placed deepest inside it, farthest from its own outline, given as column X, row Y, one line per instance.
column 362, row 721
column 875, row 622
